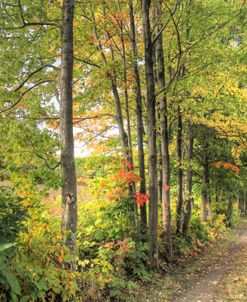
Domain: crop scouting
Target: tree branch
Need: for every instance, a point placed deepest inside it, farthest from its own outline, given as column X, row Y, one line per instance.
column 33, row 73
column 26, row 24
column 23, row 94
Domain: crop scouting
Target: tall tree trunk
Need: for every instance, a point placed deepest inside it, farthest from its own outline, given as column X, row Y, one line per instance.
column 69, row 189
column 160, row 175
column 139, row 121
column 189, row 177
column 158, row 132
column 179, row 217
column 164, row 136
column 126, row 95
column 205, row 182
column 152, row 151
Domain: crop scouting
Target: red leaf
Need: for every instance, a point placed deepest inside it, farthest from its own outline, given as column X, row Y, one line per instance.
column 127, row 164
column 235, row 169
column 140, row 198
column 166, row 187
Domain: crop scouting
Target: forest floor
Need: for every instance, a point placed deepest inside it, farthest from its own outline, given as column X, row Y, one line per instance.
column 219, row 274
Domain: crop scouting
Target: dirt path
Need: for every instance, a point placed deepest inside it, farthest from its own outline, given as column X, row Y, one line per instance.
column 209, row 286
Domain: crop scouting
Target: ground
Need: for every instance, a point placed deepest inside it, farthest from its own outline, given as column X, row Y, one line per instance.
column 218, row 275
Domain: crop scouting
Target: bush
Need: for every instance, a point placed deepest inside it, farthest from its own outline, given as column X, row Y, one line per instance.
column 12, row 215
column 34, row 269
column 10, row 287
column 114, row 270
column 217, row 226
column 199, row 230
column 181, row 245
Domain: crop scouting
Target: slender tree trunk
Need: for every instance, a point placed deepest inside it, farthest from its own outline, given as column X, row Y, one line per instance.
column 205, row 182
column 179, row 218
column 119, row 117
column 126, row 95
column 239, row 202
column 189, row 178
column 217, row 200
column 69, row 189
column 229, row 212
column 164, row 136
column 210, row 210
column 155, row 14
column 152, row 149
column 242, row 203
column 139, row 120
column 245, row 203
column 160, row 173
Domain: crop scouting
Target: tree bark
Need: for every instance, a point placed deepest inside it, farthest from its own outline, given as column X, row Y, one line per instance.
column 179, row 218
column 139, row 121
column 229, row 212
column 245, row 203
column 152, row 149
column 165, row 157
column 205, row 182
column 69, row 187
column 189, row 178
column 210, row 210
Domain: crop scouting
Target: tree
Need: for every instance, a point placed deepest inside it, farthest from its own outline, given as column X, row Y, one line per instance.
column 69, row 187
column 164, row 137
column 152, row 149
column 139, row 111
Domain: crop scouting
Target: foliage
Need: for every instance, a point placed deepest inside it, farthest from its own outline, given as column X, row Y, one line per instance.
column 13, row 214
column 113, row 270
column 10, row 287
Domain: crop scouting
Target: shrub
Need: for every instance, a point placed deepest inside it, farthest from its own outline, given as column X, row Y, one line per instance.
column 199, row 230
column 114, row 270
column 12, row 215
column 10, row 287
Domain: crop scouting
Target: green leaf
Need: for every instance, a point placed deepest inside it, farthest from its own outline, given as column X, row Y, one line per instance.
column 6, row 246
column 13, row 283
column 25, row 298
